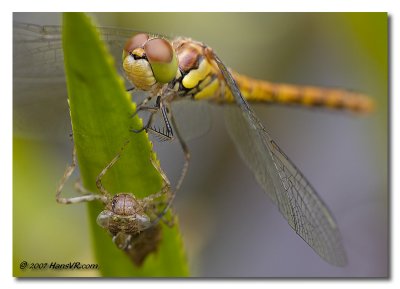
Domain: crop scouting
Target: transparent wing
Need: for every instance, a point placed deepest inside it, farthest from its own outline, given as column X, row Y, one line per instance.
column 298, row 202
column 40, row 96
column 192, row 118
column 39, row 92
column 38, row 49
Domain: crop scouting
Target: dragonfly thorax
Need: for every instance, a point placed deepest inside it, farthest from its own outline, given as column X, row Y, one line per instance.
column 199, row 73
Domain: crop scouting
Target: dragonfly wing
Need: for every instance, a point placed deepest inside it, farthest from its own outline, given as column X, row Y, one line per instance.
column 192, row 118
column 38, row 49
column 298, row 202
column 39, row 90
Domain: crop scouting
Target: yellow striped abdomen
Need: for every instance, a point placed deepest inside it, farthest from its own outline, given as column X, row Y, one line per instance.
column 254, row 90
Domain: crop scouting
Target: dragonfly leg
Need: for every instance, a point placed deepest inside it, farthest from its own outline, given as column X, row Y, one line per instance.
column 88, row 197
column 149, row 200
column 99, row 183
column 165, row 133
column 147, row 125
column 185, row 150
column 142, row 105
column 79, row 187
column 122, row 240
column 169, row 222
column 81, row 199
column 167, row 219
column 149, row 203
column 153, row 110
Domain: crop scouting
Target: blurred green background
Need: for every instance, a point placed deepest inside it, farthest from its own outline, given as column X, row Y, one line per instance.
column 230, row 227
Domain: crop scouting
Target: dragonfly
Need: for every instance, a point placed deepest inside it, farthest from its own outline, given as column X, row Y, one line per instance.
column 183, row 70
column 133, row 223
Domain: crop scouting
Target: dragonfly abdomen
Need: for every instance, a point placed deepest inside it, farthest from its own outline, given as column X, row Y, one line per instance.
column 310, row 96
column 201, row 79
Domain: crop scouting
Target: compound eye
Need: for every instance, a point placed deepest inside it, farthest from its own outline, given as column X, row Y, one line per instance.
column 162, row 58
column 104, row 218
column 159, row 50
column 135, row 41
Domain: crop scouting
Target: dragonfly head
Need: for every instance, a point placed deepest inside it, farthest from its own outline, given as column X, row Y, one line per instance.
column 149, row 60
column 124, row 213
column 125, row 205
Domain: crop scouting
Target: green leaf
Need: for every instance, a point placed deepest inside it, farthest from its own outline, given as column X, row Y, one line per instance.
column 100, row 113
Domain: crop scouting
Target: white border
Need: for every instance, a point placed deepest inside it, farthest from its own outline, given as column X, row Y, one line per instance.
column 205, row 5
column 173, row 5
